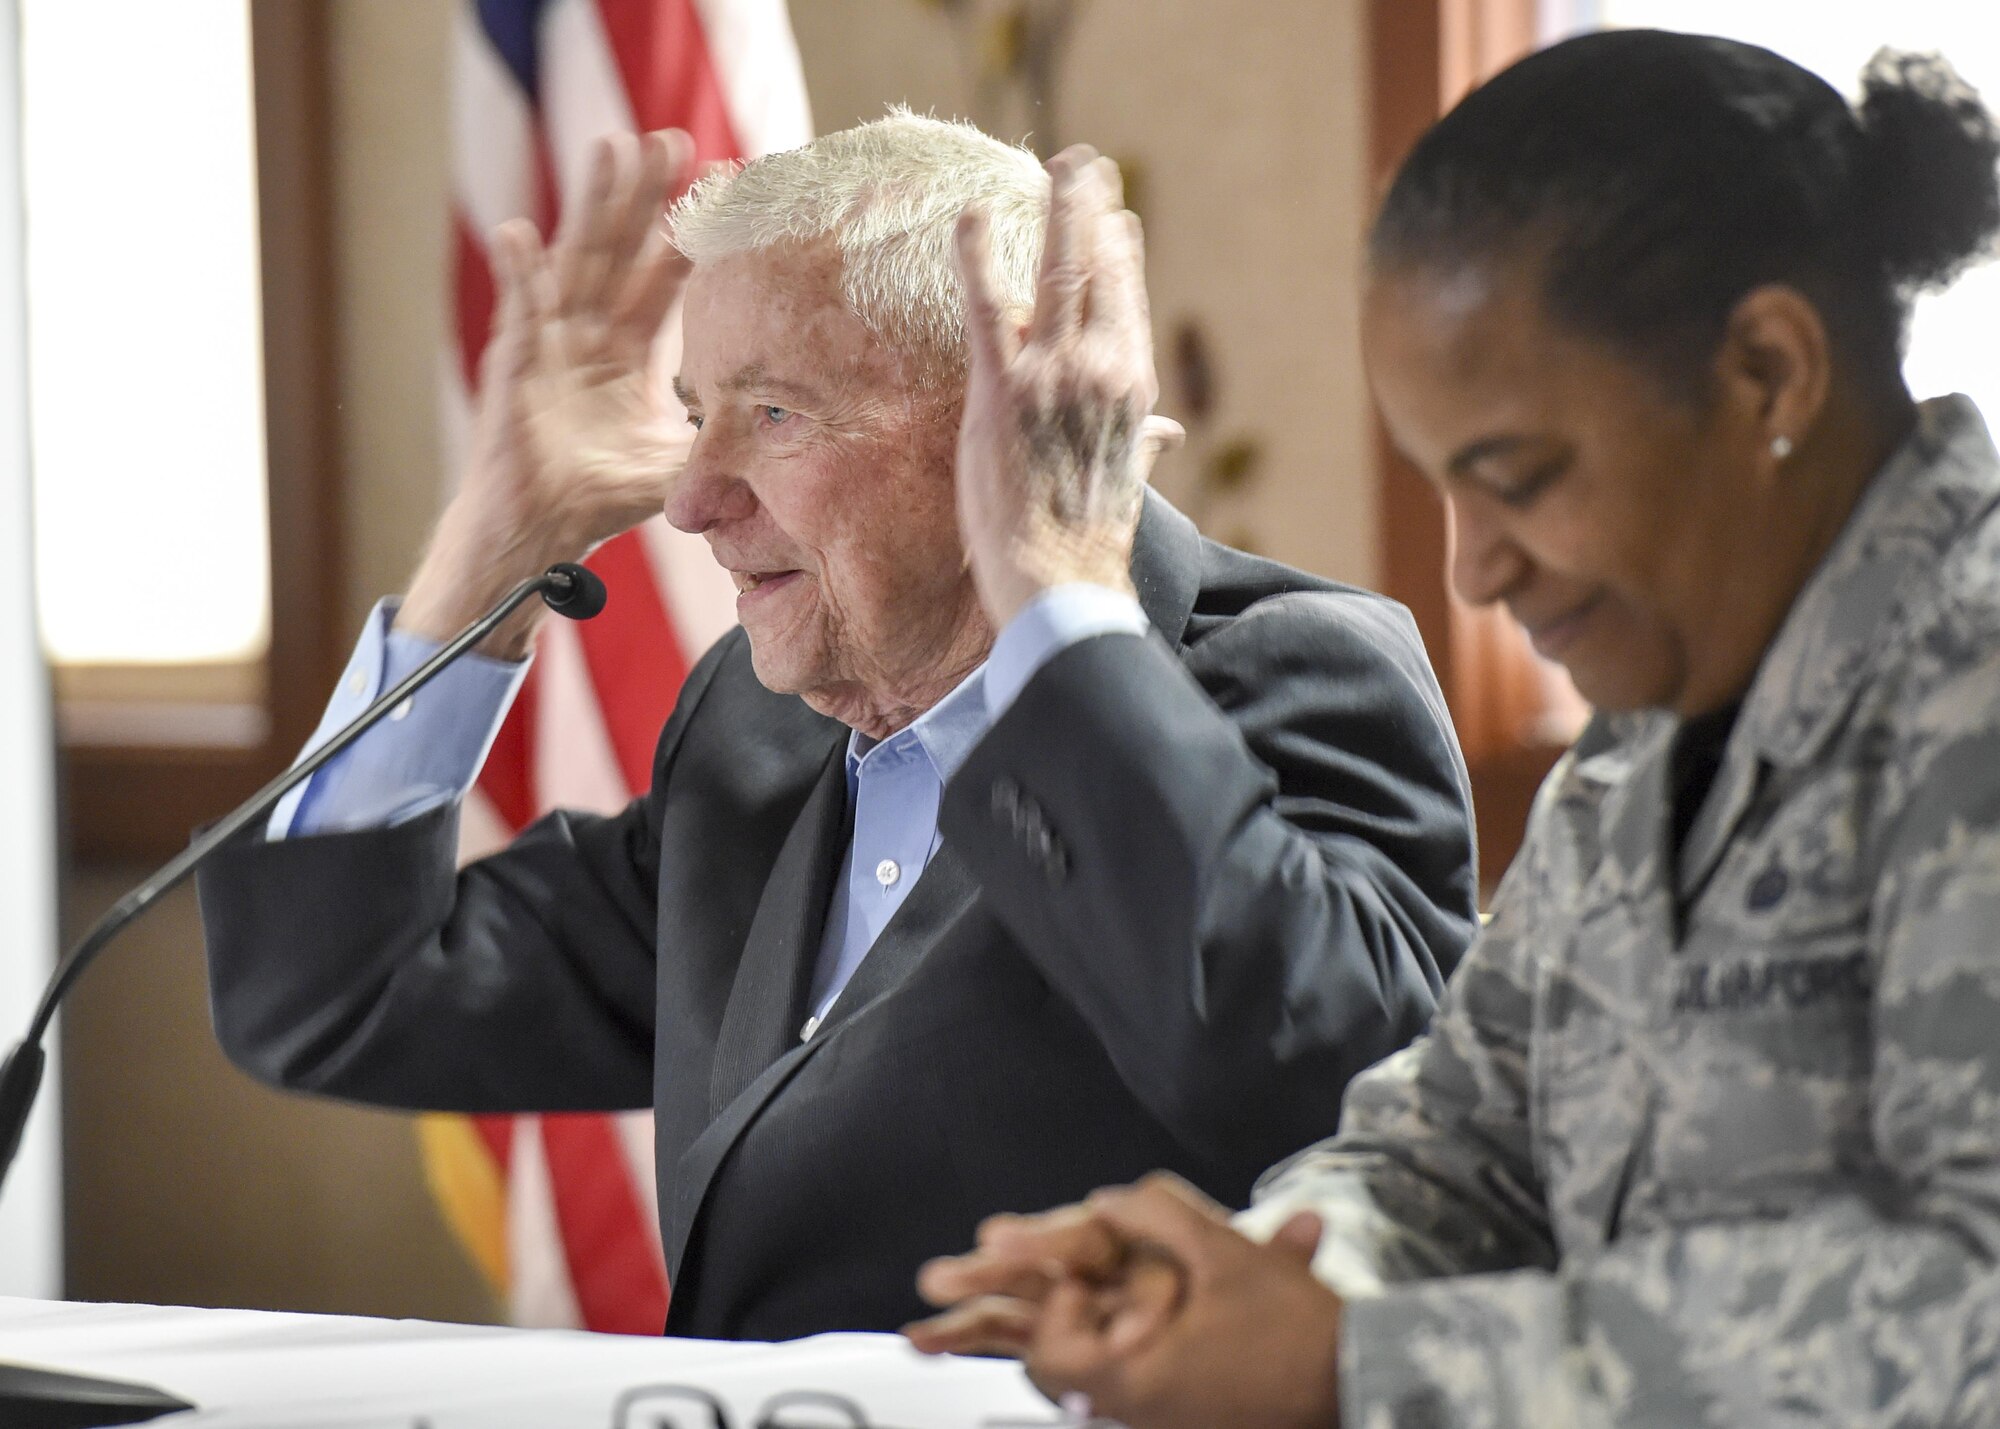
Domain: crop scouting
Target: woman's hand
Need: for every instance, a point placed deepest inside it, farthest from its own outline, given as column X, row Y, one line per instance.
column 1147, row 1302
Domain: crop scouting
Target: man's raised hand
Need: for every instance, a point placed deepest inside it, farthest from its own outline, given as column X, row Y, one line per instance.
column 1057, row 438
column 574, row 439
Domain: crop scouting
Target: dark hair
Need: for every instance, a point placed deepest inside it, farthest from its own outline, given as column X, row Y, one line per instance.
column 1657, row 178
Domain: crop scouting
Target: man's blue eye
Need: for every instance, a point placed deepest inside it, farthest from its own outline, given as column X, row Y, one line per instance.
column 776, row 415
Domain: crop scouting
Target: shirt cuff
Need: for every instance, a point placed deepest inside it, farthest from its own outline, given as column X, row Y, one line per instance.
column 1341, row 1263
column 1058, row 618
column 426, row 753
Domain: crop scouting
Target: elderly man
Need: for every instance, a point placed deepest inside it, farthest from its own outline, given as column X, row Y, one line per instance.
column 1020, row 839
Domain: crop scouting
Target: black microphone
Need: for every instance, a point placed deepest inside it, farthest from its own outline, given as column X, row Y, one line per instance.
column 567, row 589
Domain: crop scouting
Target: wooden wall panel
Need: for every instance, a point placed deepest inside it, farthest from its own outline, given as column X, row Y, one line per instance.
column 1512, row 711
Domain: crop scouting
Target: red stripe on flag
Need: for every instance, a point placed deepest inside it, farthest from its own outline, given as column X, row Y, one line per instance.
column 508, row 776
column 498, row 1134
column 670, row 78
column 613, row 1265
column 472, row 284
column 634, row 656
column 548, row 193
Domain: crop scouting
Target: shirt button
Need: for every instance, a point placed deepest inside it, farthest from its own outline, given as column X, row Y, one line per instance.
column 401, row 711
column 806, row 1032
column 886, row 872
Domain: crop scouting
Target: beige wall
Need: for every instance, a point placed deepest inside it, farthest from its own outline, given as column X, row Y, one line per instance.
column 188, row 1183
column 391, row 68
column 1245, row 119
column 1246, row 122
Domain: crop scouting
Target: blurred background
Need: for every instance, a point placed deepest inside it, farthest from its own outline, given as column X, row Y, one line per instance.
column 239, row 293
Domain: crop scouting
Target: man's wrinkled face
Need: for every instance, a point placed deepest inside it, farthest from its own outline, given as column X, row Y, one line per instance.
column 821, row 476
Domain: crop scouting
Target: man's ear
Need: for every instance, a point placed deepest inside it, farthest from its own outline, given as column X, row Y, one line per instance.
column 1157, row 436
column 1774, row 368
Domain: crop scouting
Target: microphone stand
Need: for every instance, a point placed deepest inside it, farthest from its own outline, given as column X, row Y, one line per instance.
column 568, row 589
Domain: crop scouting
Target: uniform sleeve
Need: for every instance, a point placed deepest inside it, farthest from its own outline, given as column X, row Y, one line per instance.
column 1433, row 1174
column 1875, row 1306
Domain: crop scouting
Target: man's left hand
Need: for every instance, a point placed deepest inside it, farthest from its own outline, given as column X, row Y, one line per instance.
column 1148, row 1303
column 1056, row 439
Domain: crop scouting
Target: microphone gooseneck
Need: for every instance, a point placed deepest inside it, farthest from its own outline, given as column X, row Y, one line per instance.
column 570, row 590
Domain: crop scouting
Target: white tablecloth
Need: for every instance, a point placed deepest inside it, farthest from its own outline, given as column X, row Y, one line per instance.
column 248, row 1368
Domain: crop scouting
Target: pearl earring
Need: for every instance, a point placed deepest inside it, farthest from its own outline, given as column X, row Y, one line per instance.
column 1781, row 447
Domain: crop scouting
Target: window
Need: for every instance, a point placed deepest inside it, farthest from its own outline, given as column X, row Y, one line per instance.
column 201, row 200
column 146, row 368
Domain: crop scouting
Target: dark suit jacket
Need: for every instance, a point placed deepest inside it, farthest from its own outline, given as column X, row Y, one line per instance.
column 1188, row 886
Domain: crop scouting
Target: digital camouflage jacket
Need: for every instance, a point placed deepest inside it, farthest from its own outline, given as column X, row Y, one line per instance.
column 1715, row 1139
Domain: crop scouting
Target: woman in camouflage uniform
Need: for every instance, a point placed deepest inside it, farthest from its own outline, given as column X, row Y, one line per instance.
column 1707, row 1130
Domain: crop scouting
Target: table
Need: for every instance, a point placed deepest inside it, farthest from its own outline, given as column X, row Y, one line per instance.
column 247, row 1368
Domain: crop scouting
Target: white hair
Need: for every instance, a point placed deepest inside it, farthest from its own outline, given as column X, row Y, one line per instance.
column 889, row 192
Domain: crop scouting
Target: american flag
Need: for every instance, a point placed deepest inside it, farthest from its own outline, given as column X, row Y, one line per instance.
column 560, row 1212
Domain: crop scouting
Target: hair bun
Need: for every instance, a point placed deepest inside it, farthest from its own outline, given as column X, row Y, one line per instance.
column 1929, row 180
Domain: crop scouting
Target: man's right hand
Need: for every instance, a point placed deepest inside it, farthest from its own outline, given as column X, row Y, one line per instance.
column 574, row 439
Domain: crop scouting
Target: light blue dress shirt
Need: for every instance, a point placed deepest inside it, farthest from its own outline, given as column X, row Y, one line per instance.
column 894, row 787
column 429, row 750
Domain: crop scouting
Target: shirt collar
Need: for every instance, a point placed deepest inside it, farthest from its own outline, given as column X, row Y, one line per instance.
column 1938, row 485
column 945, row 733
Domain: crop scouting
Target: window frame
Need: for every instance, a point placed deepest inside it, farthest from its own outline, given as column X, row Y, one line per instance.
column 140, row 801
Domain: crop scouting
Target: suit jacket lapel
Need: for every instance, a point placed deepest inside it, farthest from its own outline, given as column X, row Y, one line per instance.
column 774, row 977
column 699, row 1163
column 943, row 895
column 1722, row 812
